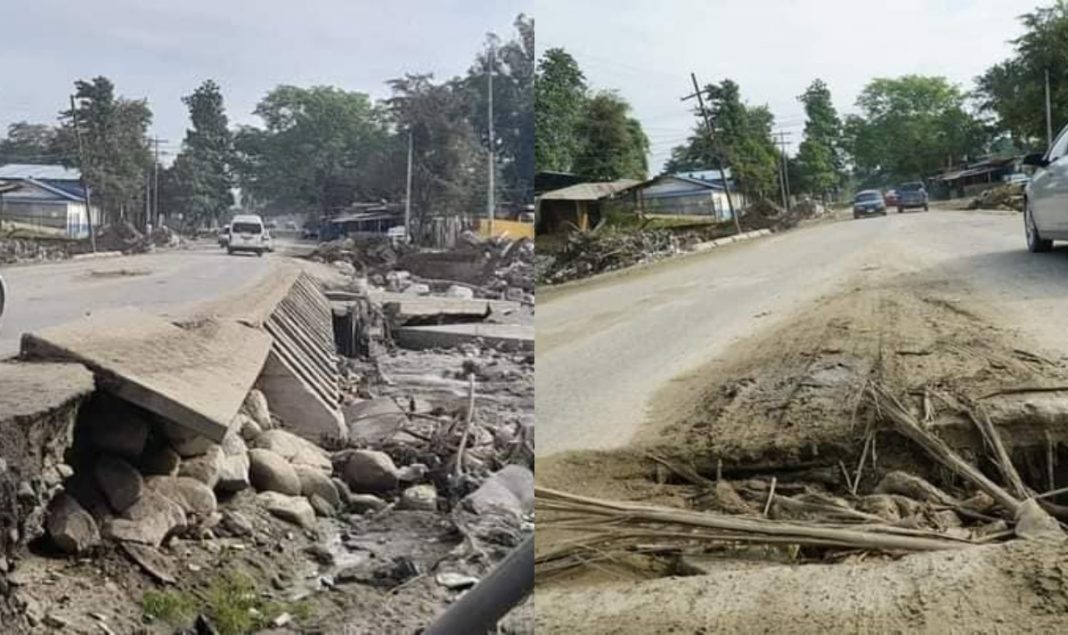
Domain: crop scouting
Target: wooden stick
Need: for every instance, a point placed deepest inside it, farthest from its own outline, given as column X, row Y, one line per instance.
column 1001, row 455
column 771, row 495
column 868, row 441
column 1050, row 460
column 459, row 467
column 1023, row 389
column 845, row 473
column 1051, row 493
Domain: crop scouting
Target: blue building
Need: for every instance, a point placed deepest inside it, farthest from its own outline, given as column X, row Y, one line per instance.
column 48, row 197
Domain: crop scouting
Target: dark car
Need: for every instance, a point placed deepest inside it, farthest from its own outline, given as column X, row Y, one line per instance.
column 911, row 196
column 868, row 203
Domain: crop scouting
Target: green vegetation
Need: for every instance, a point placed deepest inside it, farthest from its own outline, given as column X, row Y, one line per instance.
column 819, row 160
column 232, row 602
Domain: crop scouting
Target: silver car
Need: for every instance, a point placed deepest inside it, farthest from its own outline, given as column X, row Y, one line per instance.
column 1046, row 196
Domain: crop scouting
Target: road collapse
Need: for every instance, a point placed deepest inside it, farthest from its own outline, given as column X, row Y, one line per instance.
column 232, row 471
column 782, row 487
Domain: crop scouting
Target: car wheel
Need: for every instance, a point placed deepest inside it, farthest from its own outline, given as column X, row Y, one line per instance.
column 229, row 251
column 1035, row 242
column 925, row 208
column 900, row 210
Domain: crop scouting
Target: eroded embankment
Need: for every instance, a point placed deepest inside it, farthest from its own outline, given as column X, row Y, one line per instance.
column 784, row 427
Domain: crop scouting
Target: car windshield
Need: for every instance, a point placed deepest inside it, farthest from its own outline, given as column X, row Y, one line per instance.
column 868, row 196
column 246, row 228
column 911, row 187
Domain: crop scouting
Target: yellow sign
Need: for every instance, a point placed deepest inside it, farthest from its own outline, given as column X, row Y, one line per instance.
column 510, row 228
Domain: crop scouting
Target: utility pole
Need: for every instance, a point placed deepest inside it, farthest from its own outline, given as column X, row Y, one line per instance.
column 715, row 147
column 408, row 192
column 785, row 168
column 81, row 175
column 148, row 201
column 155, row 186
column 1049, row 118
column 490, row 203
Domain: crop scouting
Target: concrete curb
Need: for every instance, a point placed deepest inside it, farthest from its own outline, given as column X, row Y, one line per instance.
column 96, row 255
column 719, row 242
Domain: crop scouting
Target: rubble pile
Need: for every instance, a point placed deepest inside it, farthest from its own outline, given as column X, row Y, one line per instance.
column 14, row 250
column 509, row 268
column 164, row 236
column 362, row 256
column 1005, row 197
column 122, row 237
column 604, row 249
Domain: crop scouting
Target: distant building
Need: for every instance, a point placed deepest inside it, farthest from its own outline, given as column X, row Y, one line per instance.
column 578, row 205
column 972, row 178
column 48, row 197
column 690, row 194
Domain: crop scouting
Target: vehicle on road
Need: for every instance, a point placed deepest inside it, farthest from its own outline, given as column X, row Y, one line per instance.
column 3, row 296
column 1045, row 210
column 224, row 235
column 868, row 203
column 248, row 233
column 911, row 195
column 890, row 198
column 310, row 231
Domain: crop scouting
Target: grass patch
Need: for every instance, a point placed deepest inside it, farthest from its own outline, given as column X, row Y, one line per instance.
column 232, row 602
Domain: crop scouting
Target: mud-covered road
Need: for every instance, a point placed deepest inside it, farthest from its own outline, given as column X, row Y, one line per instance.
column 53, row 293
column 608, row 348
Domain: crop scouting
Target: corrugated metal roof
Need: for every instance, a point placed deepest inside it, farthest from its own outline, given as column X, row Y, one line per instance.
column 589, row 191
column 39, row 172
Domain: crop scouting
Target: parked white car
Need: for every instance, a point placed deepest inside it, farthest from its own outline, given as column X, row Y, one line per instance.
column 248, row 233
column 1046, row 196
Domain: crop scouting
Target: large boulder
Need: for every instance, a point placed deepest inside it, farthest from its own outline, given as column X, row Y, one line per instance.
column 120, row 482
column 234, row 475
column 149, row 521
column 314, row 483
column 123, row 434
column 206, row 467
column 71, row 528
column 370, row 472
column 193, row 496
column 294, row 449
column 294, row 509
column 257, row 408
column 510, row 490
column 271, row 472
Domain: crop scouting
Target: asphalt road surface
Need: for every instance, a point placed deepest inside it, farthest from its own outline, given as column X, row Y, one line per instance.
column 606, row 347
column 165, row 283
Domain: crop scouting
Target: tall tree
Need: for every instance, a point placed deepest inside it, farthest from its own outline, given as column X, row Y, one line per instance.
column 1013, row 91
column 314, row 151
column 613, row 145
column 30, row 143
column 115, row 152
column 819, row 162
column 201, row 180
column 559, row 102
column 909, row 128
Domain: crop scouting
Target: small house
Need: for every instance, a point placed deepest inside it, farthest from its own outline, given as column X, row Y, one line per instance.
column 48, row 197
column 580, row 205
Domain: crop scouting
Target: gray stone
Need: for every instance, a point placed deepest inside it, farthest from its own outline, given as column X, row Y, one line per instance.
column 455, row 581
column 461, row 293
column 420, row 498
column 71, row 528
column 184, row 441
column 206, row 467
column 271, row 472
column 120, row 482
column 314, row 483
column 417, row 288
column 370, row 472
column 321, row 506
column 414, row 473
column 236, row 523
column 193, row 496
column 1034, row 523
column 149, row 521
column 294, row 449
column 257, row 408
column 294, row 509
column 510, row 489
column 363, row 503
column 234, row 475
column 123, row 435
column 162, row 461
column 249, row 428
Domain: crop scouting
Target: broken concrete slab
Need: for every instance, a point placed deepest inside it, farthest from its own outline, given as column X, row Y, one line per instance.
column 373, row 420
column 430, row 310
column 505, row 337
column 31, row 389
column 195, row 377
column 384, row 298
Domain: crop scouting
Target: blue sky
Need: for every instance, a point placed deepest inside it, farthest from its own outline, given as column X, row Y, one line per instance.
column 772, row 48
column 162, row 50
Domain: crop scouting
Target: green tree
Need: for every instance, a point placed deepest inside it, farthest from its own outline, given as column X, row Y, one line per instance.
column 31, row 143
column 200, row 181
column 315, row 151
column 909, row 128
column 115, row 152
column 613, row 145
column 819, row 163
column 559, row 103
column 1013, row 91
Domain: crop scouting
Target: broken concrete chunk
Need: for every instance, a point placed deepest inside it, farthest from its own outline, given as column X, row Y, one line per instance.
column 1034, row 523
column 510, row 489
column 162, row 460
column 270, row 472
column 257, row 408
column 248, row 427
column 294, row 449
column 71, row 528
column 314, row 483
column 294, row 509
column 149, row 521
column 417, row 288
column 193, row 496
column 235, row 474
column 372, row 421
column 420, row 498
column 460, row 293
column 370, row 472
column 413, row 473
column 206, row 467
column 120, row 482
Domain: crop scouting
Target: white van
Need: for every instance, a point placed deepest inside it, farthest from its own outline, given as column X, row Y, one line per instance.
column 248, row 233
